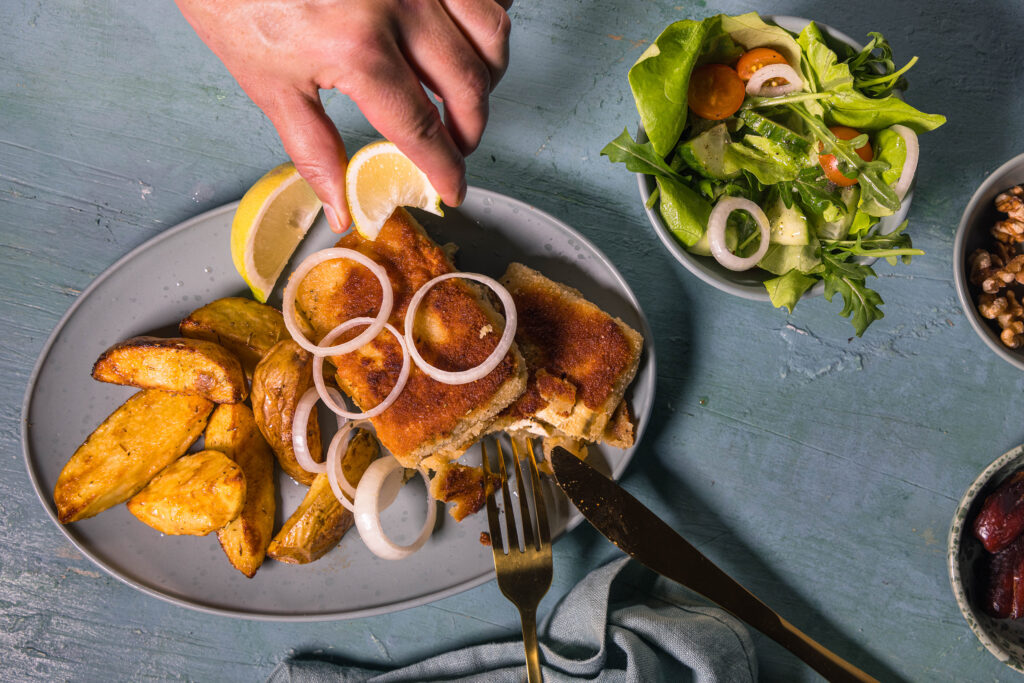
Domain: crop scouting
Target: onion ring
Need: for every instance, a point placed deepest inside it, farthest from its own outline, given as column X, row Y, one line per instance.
column 327, row 394
column 910, row 163
column 716, row 232
column 756, row 85
column 368, row 505
column 473, row 374
column 288, row 304
column 300, row 430
column 343, row 490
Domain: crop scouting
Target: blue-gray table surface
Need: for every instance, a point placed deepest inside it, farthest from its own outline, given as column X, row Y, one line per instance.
column 820, row 469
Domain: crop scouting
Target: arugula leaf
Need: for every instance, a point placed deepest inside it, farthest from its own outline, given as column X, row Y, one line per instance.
column 639, row 158
column 851, row 108
column 786, row 290
column 874, row 71
column 817, row 195
column 889, row 246
column 860, row 303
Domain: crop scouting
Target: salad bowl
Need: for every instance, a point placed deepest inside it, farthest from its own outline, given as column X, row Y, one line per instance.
column 749, row 284
column 966, row 557
column 973, row 233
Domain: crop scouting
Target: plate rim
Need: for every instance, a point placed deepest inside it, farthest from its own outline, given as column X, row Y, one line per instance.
column 648, row 358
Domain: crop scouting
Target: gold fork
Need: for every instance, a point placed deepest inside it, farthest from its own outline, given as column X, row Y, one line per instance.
column 524, row 576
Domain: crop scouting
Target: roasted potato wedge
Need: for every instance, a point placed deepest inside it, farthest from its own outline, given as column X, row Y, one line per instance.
column 232, row 430
column 278, row 383
column 184, row 366
column 149, row 431
column 320, row 521
column 194, row 495
column 244, row 327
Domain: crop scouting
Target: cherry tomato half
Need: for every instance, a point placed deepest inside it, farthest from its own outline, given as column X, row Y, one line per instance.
column 831, row 166
column 716, row 91
column 753, row 60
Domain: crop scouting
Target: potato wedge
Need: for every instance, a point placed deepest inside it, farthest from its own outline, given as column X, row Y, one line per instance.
column 149, row 431
column 278, row 383
column 184, row 366
column 194, row 495
column 232, row 431
column 320, row 521
column 244, row 327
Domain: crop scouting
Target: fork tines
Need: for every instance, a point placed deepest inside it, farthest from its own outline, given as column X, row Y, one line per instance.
column 536, row 533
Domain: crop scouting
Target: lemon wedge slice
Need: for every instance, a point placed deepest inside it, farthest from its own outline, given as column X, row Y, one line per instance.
column 270, row 221
column 379, row 179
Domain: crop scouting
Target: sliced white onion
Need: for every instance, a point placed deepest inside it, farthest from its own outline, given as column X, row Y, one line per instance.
column 369, row 502
column 288, row 304
column 910, row 163
column 716, row 232
column 343, row 490
column 300, row 430
column 337, row 404
column 756, row 85
column 473, row 374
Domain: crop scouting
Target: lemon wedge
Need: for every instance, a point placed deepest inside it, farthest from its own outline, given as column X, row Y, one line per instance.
column 270, row 221
column 379, row 179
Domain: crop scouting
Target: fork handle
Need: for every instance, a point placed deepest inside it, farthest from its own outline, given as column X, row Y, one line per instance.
column 529, row 619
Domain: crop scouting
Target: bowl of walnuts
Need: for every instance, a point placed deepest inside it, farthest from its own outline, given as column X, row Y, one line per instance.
column 988, row 261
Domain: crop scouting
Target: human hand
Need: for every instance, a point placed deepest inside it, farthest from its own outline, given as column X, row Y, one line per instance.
column 381, row 53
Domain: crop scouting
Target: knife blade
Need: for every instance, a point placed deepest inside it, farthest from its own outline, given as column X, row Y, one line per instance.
column 641, row 534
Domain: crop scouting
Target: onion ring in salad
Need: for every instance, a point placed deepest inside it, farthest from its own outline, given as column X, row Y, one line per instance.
column 716, row 232
column 288, row 303
column 473, row 374
column 327, row 394
column 370, row 499
column 756, row 85
column 910, row 163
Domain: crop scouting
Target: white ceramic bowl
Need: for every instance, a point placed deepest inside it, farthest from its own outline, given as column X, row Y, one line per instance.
column 973, row 233
column 966, row 558
column 748, row 284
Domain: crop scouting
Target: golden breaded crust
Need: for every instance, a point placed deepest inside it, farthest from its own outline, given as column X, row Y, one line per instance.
column 456, row 328
column 580, row 358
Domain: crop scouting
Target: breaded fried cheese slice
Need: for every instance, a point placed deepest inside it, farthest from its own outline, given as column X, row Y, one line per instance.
column 580, row 360
column 177, row 364
column 456, row 328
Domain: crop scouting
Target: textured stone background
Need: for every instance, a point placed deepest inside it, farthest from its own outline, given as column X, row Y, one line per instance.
column 821, row 471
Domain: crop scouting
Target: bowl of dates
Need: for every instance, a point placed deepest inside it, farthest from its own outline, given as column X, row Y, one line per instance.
column 986, row 557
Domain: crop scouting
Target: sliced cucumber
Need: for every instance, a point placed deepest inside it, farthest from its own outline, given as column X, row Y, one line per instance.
column 788, row 224
column 781, row 258
column 773, row 130
column 840, row 228
column 706, row 154
column 702, row 248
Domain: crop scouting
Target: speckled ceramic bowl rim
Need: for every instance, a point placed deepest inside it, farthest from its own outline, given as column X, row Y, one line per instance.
column 704, row 267
column 963, row 292
column 953, row 543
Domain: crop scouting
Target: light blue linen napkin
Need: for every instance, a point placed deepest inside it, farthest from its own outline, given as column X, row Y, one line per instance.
column 620, row 623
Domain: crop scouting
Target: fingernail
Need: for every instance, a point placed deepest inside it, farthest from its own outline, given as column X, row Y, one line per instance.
column 332, row 218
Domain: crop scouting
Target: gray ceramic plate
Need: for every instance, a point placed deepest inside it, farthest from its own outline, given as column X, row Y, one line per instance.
column 748, row 284
column 966, row 558
column 156, row 285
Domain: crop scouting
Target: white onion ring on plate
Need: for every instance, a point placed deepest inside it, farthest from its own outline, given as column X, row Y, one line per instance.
column 343, row 490
column 910, row 163
column 288, row 303
column 369, row 502
column 337, row 404
column 756, row 85
column 300, row 430
column 716, row 232
column 482, row 370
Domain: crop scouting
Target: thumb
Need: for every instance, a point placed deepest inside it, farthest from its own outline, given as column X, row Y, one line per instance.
column 312, row 141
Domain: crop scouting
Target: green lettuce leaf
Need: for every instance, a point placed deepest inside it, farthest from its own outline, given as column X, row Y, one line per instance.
column 891, row 149
column 850, row 108
column 684, row 211
column 786, row 290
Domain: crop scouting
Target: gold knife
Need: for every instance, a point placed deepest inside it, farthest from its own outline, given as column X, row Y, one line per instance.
column 641, row 534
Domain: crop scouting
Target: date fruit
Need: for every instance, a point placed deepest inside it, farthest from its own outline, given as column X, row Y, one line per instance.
column 1001, row 519
column 1004, row 593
